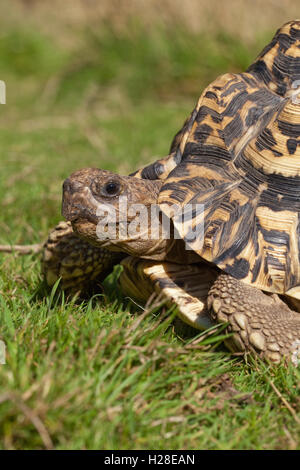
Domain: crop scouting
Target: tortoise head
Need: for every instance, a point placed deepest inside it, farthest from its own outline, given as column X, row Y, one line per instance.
column 113, row 211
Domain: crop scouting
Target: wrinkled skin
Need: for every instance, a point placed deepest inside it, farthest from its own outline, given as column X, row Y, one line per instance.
column 85, row 190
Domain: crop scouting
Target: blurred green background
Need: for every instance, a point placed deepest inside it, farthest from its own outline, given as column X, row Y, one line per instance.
column 107, row 84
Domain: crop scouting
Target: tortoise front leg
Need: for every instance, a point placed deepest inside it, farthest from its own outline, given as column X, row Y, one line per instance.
column 80, row 265
column 259, row 322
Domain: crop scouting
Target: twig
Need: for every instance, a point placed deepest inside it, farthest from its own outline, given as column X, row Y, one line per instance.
column 284, row 401
column 22, row 249
column 31, row 416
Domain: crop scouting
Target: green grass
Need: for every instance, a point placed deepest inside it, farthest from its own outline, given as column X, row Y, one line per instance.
column 98, row 374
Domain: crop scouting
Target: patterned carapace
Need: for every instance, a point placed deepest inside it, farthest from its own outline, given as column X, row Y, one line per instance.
column 238, row 154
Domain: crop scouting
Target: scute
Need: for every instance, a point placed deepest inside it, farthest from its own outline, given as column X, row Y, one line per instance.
column 241, row 162
column 187, row 287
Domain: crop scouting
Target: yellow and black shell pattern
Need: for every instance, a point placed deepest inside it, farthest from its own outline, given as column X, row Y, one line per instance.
column 238, row 161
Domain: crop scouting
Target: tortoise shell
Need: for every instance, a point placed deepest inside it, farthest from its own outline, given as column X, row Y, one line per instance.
column 238, row 158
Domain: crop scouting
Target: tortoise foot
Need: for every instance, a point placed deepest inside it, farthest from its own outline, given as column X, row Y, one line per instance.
column 260, row 323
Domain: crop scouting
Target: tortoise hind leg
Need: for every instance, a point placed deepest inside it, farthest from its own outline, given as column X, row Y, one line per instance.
column 260, row 323
column 80, row 265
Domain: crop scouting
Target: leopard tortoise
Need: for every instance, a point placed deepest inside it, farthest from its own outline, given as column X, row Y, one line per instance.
column 235, row 166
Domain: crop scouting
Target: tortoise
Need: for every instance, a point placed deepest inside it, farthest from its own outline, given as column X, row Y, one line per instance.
column 234, row 171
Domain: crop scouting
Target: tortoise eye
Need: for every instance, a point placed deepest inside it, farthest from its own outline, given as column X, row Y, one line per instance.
column 111, row 188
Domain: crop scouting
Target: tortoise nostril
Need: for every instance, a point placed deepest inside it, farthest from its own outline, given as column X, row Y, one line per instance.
column 71, row 187
column 66, row 185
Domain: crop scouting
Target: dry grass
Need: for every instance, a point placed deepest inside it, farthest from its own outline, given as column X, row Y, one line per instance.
column 239, row 17
column 87, row 89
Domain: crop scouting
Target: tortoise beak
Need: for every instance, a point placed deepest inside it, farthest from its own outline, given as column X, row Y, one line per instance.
column 69, row 211
column 77, row 201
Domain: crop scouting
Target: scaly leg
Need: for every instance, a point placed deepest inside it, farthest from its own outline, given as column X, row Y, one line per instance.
column 259, row 322
column 80, row 265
